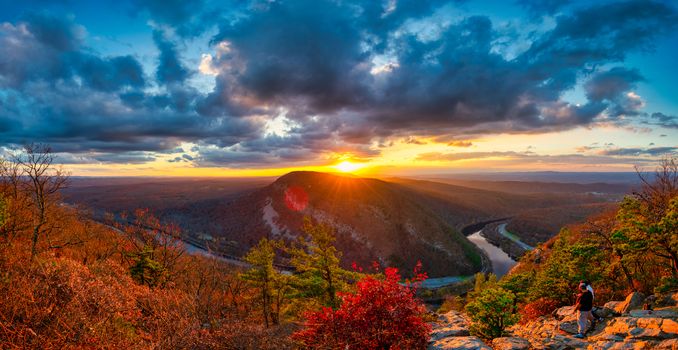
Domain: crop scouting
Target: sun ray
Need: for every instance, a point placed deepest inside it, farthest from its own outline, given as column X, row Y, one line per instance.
column 348, row 167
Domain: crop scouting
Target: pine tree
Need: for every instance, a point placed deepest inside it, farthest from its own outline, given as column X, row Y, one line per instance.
column 316, row 262
column 145, row 270
column 273, row 287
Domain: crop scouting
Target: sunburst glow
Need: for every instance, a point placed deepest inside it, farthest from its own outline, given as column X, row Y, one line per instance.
column 348, row 167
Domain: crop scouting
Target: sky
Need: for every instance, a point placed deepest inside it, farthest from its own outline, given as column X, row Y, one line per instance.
column 393, row 87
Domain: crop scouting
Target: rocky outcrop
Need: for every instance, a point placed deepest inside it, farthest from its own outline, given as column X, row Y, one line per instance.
column 451, row 324
column 634, row 329
column 510, row 343
column 459, row 343
column 634, row 301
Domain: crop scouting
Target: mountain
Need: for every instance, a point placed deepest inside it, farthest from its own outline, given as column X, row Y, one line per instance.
column 394, row 221
column 461, row 206
column 374, row 220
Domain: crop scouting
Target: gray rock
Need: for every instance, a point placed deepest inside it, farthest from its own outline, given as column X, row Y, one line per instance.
column 564, row 312
column 510, row 343
column 662, row 313
column 634, row 301
column 451, row 324
column 569, row 327
column 605, row 312
column 558, row 342
column 459, row 343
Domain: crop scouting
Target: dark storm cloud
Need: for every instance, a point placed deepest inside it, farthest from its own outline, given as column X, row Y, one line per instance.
column 170, row 68
column 60, row 34
column 608, row 85
column 110, row 74
column 612, row 87
column 58, row 91
column 348, row 74
column 453, row 82
column 50, row 49
column 306, row 50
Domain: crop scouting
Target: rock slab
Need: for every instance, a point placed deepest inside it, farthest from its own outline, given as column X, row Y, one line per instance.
column 459, row 343
column 450, row 324
column 510, row 343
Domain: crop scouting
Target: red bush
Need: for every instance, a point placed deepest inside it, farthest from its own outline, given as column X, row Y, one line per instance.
column 537, row 308
column 381, row 314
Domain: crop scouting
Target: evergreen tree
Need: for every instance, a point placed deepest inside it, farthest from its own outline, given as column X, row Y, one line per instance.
column 273, row 286
column 492, row 311
column 316, row 261
column 145, row 270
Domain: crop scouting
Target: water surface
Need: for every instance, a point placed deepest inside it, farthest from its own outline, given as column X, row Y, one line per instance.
column 501, row 262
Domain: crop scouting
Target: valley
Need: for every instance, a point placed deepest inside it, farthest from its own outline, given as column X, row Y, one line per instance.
column 394, row 221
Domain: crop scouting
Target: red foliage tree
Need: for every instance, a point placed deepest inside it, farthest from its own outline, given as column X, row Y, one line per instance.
column 540, row 307
column 381, row 314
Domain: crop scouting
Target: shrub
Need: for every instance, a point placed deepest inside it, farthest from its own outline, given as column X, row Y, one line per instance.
column 538, row 308
column 381, row 314
column 453, row 302
column 492, row 311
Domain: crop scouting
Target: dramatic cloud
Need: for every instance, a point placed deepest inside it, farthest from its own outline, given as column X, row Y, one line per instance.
column 170, row 68
column 55, row 90
column 345, row 77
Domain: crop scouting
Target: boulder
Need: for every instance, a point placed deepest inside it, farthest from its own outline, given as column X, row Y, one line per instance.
column 459, row 343
column 450, row 324
column 510, row 343
column 558, row 342
column 565, row 312
column 662, row 313
column 640, row 328
column 634, row 301
column 613, row 305
column 569, row 326
column 606, row 312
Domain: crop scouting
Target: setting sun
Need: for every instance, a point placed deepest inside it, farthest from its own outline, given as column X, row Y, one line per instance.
column 348, row 167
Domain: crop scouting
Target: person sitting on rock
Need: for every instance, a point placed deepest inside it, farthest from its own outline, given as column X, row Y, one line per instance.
column 584, row 306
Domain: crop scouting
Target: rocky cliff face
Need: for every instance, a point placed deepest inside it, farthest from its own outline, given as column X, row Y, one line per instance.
column 624, row 326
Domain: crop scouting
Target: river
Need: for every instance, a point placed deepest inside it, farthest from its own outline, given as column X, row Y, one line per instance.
column 501, row 262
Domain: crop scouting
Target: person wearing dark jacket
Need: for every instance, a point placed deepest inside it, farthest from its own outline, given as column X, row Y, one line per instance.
column 583, row 306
